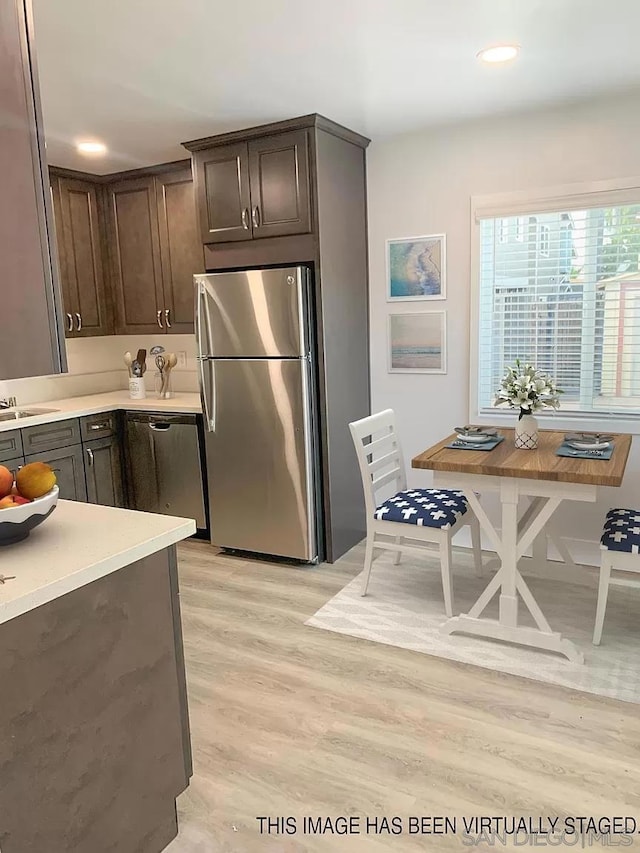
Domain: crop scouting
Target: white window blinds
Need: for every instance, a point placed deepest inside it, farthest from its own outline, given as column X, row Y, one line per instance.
column 562, row 290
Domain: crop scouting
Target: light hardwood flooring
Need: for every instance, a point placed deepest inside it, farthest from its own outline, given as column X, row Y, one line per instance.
column 288, row 720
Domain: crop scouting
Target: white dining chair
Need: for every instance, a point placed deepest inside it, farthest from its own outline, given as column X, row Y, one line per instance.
column 620, row 550
column 426, row 516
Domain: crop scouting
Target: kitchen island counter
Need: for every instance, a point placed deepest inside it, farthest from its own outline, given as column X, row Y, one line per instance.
column 94, row 727
column 78, row 544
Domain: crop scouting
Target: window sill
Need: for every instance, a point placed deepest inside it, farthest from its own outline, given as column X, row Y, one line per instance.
column 577, row 421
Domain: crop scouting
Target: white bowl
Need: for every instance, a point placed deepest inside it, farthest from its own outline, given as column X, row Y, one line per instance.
column 17, row 522
column 475, row 438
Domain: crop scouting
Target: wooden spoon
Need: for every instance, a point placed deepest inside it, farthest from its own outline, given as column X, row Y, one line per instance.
column 171, row 361
column 128, row 361
column 141, row 358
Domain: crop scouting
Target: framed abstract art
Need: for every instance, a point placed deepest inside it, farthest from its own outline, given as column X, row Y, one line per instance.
column 416, row 268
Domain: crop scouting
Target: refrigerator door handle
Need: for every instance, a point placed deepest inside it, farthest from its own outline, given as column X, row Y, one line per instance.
column 203, row 324
column 208, row 392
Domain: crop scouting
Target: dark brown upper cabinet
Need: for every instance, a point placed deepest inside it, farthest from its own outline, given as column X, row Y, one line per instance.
column 154, row 250
column 279, row 181
column 253, row 189
column 31, row 337
column 223, row 197
column 181, row 252
column 80, row 247
column 134, row 252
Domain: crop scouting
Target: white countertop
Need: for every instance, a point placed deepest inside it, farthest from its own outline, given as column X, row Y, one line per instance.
column 76, row 545
column 76, row 407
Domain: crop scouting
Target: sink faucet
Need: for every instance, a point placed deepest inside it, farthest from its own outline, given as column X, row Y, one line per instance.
column 8, row 402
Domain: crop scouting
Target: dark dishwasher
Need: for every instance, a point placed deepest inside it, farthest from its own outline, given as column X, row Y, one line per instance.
column 164, row 462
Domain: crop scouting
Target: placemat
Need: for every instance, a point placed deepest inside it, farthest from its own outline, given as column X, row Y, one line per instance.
column 565, row 450
column 467, row 445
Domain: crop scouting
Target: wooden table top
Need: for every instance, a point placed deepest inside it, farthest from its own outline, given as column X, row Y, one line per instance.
column 540, row 464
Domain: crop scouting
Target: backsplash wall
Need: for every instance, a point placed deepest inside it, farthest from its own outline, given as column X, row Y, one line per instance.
column 96, row 365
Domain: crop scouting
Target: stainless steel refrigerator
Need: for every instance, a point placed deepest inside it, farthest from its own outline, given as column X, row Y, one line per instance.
column 256, row 367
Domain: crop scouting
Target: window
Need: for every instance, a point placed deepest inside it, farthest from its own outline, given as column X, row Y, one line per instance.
column 503, row 231
column 544, row 241
column 521, row 228
column 567, row 298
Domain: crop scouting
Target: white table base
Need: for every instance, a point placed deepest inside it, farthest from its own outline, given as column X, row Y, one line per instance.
column 517, row 535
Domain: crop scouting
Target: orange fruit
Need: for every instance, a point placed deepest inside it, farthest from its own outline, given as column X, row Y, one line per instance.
column 35, row 480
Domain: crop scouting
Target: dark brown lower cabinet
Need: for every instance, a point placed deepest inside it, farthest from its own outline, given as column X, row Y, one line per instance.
column 103, row 468
column 10, row 446
column 68, row 464
column 14, row 464
column 90, row 470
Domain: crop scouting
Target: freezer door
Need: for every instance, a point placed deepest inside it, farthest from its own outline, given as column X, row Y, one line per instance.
column 251, row 314
column 259, row 457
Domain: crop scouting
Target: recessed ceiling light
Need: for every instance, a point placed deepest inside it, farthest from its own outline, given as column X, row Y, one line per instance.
column 91, row 147
column 499, row 53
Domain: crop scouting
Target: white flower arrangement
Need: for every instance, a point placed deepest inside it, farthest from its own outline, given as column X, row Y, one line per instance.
column 525, row 388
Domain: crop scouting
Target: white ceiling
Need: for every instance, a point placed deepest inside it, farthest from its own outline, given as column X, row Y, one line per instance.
column 145, row 75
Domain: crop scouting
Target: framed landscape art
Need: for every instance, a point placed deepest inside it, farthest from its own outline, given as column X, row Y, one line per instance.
column 418, row 342
column 416, row 268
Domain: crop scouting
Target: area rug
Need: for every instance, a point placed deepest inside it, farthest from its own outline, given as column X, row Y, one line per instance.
column 404, row 608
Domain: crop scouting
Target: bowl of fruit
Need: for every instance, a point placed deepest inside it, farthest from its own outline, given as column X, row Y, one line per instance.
column 26, row 500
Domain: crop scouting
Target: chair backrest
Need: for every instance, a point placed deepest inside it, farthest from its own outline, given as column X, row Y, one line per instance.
column 379, row 456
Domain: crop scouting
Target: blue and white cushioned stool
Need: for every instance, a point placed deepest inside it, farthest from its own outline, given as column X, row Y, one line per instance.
column 620, row 547
column 411, row 518
column 440, row 508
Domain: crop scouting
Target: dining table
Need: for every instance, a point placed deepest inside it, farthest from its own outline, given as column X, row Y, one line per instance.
column 531, row 484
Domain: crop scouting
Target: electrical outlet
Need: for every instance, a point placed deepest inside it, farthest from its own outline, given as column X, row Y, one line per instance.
column 182, row 358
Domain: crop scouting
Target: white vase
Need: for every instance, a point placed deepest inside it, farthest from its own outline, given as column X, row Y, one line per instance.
column 527, row 433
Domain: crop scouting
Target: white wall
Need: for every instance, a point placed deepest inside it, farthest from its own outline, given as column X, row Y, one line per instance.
column 422, row 183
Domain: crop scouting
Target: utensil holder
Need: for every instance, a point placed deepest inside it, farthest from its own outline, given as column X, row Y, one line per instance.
column 137, row 390
column 163, row 385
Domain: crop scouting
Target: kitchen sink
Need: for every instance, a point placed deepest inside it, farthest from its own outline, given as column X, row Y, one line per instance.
column 16, row 414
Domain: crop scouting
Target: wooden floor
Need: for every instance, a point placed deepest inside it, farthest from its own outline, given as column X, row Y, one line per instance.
column 289, row 720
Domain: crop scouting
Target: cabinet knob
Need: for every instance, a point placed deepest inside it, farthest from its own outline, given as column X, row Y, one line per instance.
column 78, row 322
column 159, row 318
column 166, row 317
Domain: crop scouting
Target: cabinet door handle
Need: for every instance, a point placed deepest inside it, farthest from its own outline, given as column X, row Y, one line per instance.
column 99, row 426
column 166, row 317
column 159, row 318
column 78, row 322
column 245, row 219
column 90, row 455
column 70, row 322
column 256, row 216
